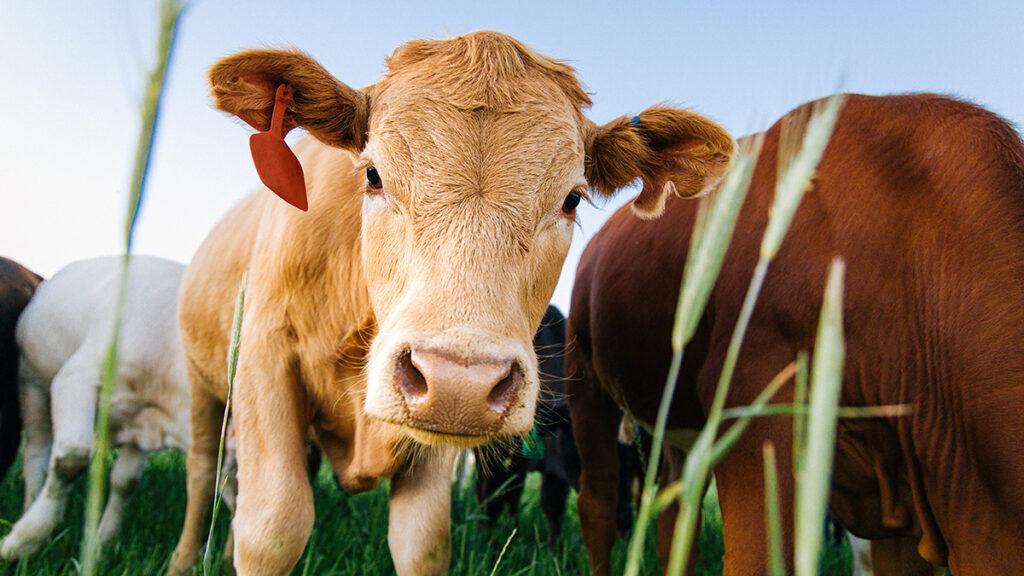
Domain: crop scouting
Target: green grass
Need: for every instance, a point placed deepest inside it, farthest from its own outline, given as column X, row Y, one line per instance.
column 350, row 535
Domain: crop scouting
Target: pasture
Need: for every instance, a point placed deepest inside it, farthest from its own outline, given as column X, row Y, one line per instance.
column 350, row 535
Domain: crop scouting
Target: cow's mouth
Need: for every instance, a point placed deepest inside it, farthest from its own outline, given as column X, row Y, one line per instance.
column 428, row 437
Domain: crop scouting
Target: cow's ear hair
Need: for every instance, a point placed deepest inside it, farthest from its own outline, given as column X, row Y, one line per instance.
column 244, row 84
column 670, row 150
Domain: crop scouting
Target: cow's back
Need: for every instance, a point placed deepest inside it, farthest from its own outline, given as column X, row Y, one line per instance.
column 73, row 313
column 924, row 198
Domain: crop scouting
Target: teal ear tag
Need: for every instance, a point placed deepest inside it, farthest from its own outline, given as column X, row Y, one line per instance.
column 533, row 445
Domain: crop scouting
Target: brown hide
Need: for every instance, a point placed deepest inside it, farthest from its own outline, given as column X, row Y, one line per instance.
column 17, row 284
column 922, row 195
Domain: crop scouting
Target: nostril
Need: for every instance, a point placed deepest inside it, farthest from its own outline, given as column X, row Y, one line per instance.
column 505, row 390
column 411, row 381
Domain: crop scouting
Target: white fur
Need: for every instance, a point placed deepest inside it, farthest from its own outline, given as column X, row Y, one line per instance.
column 860, row 549
column 63, row 337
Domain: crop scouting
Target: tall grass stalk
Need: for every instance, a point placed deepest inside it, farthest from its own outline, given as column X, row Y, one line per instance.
column 815, row 475
column 218, row 489
column 170, row 13
column 704, row 261
column 800, row 399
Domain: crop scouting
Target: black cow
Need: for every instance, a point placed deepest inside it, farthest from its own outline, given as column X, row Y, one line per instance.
column 17, row 284
column 501, row 475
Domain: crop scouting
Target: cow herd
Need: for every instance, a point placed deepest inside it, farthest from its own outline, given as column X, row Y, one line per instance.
column 392, row 311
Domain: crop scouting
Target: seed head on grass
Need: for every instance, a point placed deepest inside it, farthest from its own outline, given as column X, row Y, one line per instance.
column 218, row 490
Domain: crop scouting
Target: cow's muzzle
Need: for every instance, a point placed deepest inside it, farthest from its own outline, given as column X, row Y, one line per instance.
column 458, row 396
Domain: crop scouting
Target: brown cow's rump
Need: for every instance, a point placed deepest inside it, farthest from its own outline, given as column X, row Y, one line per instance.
column 924, row 198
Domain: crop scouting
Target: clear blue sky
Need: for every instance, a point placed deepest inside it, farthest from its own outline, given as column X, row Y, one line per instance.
column 72, row 72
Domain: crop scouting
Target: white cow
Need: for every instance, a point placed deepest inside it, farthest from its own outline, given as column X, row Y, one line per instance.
column 63, row 337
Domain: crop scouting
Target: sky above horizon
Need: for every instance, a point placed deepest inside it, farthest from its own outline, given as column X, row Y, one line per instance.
column 74, row 72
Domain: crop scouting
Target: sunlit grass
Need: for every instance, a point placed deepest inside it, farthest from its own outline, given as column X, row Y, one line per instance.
column 349, row 535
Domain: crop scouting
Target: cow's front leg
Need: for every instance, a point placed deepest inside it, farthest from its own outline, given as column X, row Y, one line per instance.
column 274, row 514
column 419, row 520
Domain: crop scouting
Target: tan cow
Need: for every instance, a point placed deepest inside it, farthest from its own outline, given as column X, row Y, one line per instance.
column 396, row 316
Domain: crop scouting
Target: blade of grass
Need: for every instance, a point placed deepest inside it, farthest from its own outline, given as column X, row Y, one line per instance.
column 776, row 564
column 236, row 341
column 729, row 438
column 503, row 550
column 170, row 13
column 752, row 411
column 703, row 265
column 800, row 399
column 668, row 495
column 815, row 478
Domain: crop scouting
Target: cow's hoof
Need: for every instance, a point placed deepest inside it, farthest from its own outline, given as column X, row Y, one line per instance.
column 179, row 566
column 14, row 548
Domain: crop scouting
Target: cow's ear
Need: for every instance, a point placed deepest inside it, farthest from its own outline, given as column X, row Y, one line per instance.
column 244, row 84
column 669, row 149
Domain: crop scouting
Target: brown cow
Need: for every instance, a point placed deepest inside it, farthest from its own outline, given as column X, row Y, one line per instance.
column 396, row 316
column 17, row 284
column 924, row 198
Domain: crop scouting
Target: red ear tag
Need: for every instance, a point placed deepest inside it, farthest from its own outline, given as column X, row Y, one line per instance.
column 276, row 164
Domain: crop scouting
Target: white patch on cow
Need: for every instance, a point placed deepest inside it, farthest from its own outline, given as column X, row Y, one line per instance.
column 373, row 203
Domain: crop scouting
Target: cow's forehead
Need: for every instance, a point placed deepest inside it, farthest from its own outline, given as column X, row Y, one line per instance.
column 439, row 147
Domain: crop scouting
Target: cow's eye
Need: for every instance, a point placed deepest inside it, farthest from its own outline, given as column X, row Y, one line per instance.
column 571, row 202
column 373, row 179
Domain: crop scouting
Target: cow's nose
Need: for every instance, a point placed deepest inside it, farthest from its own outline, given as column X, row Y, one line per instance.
column 453, row 395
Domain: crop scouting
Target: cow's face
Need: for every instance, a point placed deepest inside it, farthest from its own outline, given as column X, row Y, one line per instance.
column 476, row 154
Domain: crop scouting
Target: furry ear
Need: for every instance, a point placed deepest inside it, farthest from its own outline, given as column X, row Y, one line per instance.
column 669, row 149
column 244, row 84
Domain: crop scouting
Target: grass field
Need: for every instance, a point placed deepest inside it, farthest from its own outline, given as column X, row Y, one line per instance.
column 350, row 535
